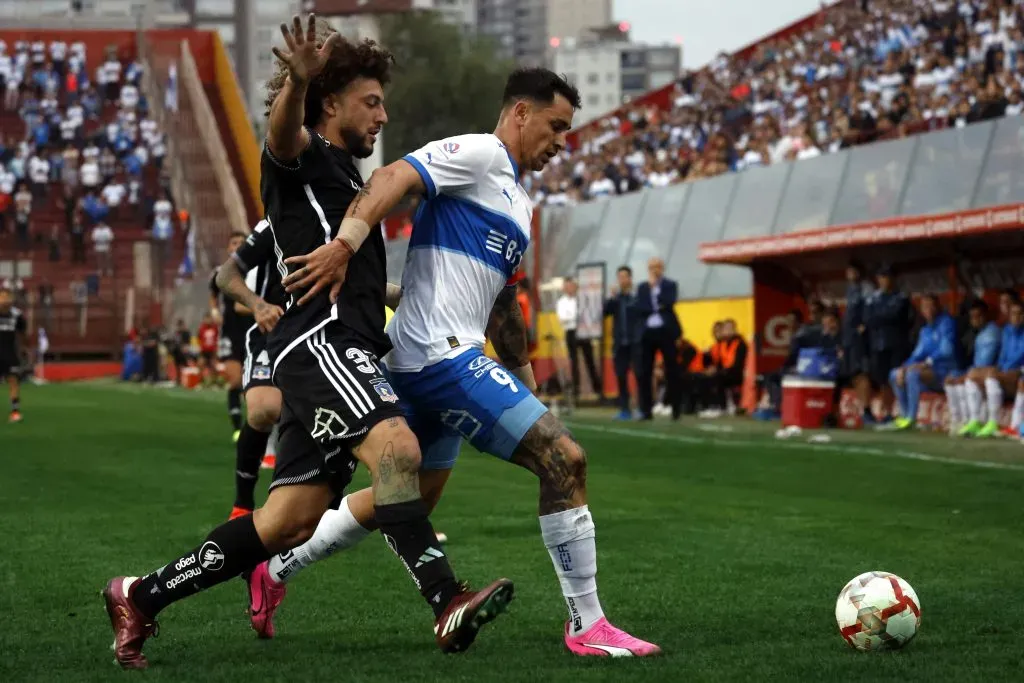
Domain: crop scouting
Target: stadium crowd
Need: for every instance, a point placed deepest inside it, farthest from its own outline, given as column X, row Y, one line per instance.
column 871, row 70
column 84, row 143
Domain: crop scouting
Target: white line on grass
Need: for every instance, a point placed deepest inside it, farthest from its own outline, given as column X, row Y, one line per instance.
column 795, row 446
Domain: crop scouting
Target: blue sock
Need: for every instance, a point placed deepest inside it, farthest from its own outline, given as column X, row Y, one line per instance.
column 913, row 392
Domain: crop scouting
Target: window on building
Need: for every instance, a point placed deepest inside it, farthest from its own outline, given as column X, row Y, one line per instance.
column 662, row 59
column 571, row 77
column 611, row 100
column 593, row 79
column 632, row 59
column 633, row 82
column 611, row 76
column 593, row 100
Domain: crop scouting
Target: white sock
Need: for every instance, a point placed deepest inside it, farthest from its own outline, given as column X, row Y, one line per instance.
column 1018, row 411
column 960, row 395
column 994, row 390
column 337, row 530
column 569, row 538
column 956, row 418
column 975, row 401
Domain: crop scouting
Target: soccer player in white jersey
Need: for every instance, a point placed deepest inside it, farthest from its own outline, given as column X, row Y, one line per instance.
column 467, row 243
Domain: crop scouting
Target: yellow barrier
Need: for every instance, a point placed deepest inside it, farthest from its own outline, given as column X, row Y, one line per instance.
column 238, row 120
column 697, row 318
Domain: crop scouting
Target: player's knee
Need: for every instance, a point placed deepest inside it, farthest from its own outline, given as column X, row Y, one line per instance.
column 282, row 528
column 407, row 453
column 564, row 459
column 262, row 416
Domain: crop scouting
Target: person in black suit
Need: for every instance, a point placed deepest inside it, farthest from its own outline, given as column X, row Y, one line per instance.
column 655, row 301
column 627, row 329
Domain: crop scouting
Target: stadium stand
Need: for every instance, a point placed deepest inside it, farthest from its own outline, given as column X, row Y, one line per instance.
column 150, row 113
column 857, row 72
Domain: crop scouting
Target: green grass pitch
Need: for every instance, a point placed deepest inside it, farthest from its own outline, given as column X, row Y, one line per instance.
column 726, row 547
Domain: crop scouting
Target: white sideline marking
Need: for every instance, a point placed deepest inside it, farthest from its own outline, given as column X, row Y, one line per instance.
column 796, row 446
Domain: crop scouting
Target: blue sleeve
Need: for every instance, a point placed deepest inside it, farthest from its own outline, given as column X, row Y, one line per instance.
column 945, row 350
column 923, row 349
column 986, row 348
column 1004, row 347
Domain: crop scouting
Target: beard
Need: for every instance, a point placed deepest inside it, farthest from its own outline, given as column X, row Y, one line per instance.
column 356, row 144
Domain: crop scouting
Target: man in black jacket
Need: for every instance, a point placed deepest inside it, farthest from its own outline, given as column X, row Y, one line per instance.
column 627, row 330
column 655, row 301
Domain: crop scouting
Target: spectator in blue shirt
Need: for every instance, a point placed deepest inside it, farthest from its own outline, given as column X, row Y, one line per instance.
column 980, row 346
column 932, row 360
column 990, row 383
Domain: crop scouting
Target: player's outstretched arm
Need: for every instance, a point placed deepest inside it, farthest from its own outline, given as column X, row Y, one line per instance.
column 231, row 282
column 507, row 331
column 326, row 267
column 286, row 136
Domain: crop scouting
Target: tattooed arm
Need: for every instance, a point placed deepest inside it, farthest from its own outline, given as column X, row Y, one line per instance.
column 326, row 267
column 232, row 283
column 507, row 331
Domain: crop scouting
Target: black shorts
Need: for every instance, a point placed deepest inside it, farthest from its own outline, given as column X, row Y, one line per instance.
column 210, row 357
column 329, row 384
column 231, row 347
column 9, row 367
column 258, row 367
column 882, row 363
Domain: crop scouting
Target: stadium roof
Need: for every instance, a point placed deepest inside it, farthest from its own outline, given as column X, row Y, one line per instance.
column 994, row 231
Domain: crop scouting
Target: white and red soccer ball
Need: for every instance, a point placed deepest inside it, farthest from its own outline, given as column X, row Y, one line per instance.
column 878, row 611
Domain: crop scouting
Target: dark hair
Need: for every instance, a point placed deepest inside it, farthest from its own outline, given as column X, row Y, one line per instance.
column 238, row 233
column 830, row 312
column 1012, row 293
column 347, row 62
column 625, row 268
column 540, row 85
column 798, row 314
column 979, row 305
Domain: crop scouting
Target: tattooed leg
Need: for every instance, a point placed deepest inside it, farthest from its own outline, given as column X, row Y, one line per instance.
column 549, row 451
column 392, row 454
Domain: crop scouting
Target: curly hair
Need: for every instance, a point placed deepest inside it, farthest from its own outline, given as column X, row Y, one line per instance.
column 347, row 62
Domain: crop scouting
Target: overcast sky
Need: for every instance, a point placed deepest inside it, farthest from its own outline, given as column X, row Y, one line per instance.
column 708, row 26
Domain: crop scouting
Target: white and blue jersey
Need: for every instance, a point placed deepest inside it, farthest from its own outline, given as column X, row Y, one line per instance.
column 467, row 242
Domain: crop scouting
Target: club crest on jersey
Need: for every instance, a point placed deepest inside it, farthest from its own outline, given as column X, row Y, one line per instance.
column 386, row 393
column 450, row 147
column 261, row 372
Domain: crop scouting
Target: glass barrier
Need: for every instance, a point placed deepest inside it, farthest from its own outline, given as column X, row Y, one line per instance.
column 618, row 226
column 757, row 197
column 658, row 225
column 702, row 221
column 1002, row 176
column 945, row 170
column 811, row 192
column 873, row 182
column 976, row 166
column 584, row 220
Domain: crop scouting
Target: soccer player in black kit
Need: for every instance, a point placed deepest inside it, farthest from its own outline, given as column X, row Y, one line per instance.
column 326, row 108
column 235, row 320
column 12, row 339
column 252, row 278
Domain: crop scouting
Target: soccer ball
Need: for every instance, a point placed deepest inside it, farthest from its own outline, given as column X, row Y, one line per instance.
column 878, row 611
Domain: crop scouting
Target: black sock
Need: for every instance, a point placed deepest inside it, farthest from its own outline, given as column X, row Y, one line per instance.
column 249, row 452
column 409, row 533
column 235, row 408
column 230, row 549
column 15, row 404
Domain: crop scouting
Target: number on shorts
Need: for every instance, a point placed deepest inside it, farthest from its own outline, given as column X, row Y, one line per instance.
column 504, row 379
column 363, row 362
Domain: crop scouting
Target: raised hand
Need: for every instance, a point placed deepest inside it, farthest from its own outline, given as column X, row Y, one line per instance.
column 303, row 59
